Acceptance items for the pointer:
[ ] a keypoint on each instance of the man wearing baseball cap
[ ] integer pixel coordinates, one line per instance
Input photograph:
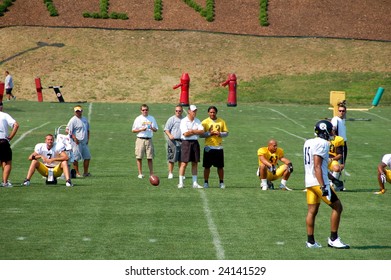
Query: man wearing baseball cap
(191, 129)
(79, 130)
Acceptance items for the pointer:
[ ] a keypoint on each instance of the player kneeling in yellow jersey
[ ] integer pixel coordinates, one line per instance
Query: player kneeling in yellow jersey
(336, 165)
(384, 173)
(269, 170)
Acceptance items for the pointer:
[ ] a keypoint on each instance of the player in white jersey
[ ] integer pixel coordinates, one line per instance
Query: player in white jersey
(54, 161)
(384, 172)
(316, 154)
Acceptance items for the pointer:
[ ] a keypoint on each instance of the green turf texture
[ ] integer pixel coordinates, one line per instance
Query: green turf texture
(113, 215)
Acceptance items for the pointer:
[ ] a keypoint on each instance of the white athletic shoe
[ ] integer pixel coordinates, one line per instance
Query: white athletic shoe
(7, 184)
(196, 186)
(180, 186)
(68, 183)
(222, 186)
(26, 183)
(170, 176)
(338, 244)
(140, 176)
(263, 187)
(316, 245)
(284, 188)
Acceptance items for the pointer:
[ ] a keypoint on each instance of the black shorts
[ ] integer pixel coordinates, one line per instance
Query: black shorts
(8, 90)
(213, 157)
(5, 151)
(190, 151)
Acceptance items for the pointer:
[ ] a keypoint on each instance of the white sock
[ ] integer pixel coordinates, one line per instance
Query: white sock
(283, 182)
(264, 182)
(194, 179)
(181, 179)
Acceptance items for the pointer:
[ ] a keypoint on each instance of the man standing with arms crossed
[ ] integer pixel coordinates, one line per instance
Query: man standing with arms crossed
(316, 154)
(191, 129)
(5, 148)
(215, 129)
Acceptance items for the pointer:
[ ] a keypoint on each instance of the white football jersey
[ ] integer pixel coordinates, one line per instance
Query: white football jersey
(66, 140)
(386, 159)
(55, 151)
(312, 147)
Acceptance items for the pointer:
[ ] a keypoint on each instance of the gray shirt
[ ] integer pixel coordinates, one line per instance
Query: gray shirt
(173, 125)
(79, 128)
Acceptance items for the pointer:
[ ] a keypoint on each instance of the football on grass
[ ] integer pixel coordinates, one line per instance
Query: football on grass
(154, 180)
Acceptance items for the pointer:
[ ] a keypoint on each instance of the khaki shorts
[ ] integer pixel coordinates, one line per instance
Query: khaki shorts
(144, 147)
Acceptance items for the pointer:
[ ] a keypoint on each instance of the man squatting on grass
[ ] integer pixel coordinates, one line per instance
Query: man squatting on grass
(53, 157)
(268, 169)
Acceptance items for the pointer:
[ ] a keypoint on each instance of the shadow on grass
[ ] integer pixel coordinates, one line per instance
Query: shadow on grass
(360, 191)
(39, 45)
(370, 247)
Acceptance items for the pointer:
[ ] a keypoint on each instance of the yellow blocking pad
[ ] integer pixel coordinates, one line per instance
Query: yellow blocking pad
(335, 98)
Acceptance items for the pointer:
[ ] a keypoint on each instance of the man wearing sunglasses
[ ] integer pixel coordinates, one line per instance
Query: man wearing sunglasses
(144, 126)
(339, 128)
(172, 129)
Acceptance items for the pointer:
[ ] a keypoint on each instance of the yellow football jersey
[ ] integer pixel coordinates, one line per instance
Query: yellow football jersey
(273, 158)
(334, 144)
(214, 125)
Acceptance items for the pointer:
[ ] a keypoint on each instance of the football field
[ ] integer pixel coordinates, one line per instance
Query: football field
(113, 215)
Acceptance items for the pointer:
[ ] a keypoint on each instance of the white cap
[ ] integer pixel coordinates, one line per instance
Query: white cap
(193, 108)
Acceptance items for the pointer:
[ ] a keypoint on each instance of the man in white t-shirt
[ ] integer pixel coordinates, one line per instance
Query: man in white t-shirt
(191, 129)
(6, 121)
(384, 172)
(144, 126)
(54, 161)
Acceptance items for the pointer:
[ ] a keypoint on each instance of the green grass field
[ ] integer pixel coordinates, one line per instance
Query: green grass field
(115, 216)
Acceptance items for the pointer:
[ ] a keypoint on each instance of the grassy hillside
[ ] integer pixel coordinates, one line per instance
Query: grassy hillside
(143, 66)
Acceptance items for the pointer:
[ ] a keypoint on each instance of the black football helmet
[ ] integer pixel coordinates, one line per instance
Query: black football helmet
(324, 129)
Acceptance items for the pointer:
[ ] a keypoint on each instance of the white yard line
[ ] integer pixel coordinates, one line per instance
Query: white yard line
(295, 122)
(89, 112)
(27, 133)
(297, 136)
(212, 228)
(377, 116)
